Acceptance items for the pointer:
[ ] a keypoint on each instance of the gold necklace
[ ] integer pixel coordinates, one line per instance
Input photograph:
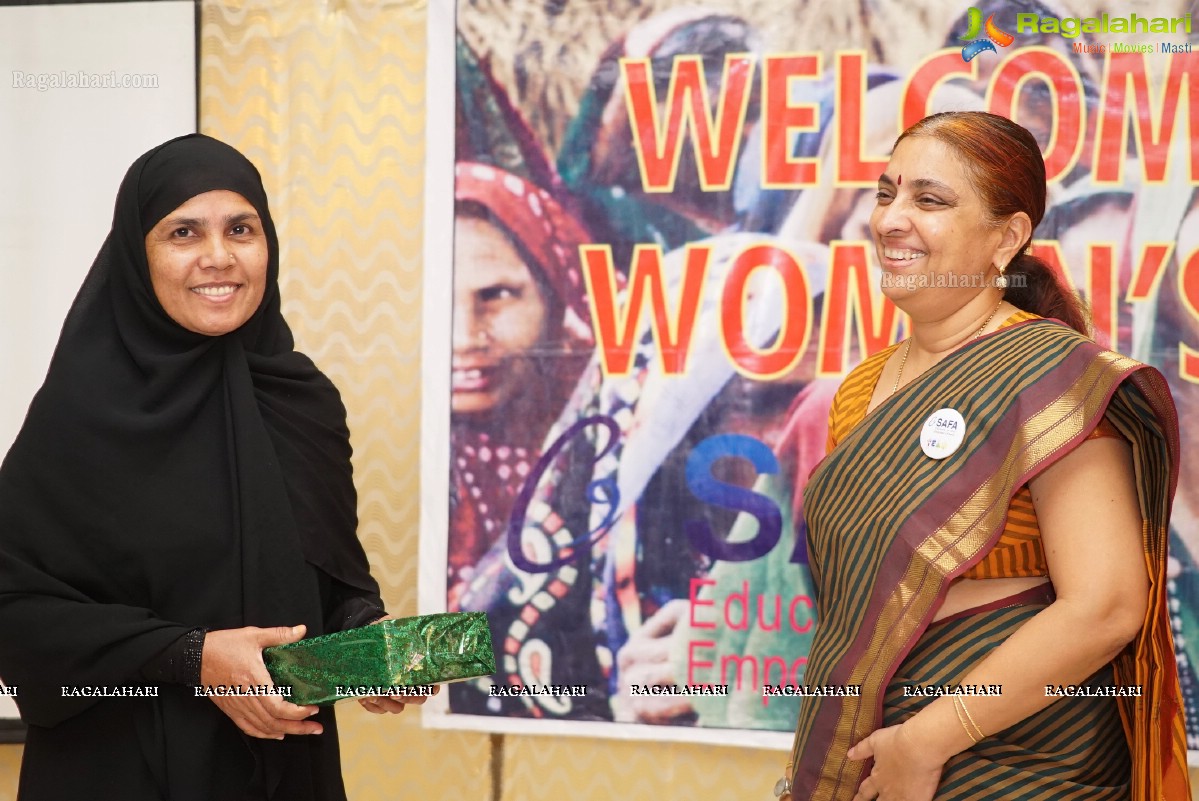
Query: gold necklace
(907, 348)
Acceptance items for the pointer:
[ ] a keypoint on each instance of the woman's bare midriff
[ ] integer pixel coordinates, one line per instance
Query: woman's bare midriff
(969, 593)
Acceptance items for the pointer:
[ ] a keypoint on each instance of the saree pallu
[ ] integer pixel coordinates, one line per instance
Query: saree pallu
(889, 528)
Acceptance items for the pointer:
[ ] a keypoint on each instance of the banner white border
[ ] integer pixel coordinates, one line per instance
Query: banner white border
(436, 304)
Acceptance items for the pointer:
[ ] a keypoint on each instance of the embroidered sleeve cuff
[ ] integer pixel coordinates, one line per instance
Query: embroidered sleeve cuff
(179, 662)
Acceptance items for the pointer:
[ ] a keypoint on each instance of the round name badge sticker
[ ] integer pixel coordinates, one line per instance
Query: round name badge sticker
(943, 433)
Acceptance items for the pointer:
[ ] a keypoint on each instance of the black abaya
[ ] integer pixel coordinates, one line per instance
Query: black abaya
(165, 480)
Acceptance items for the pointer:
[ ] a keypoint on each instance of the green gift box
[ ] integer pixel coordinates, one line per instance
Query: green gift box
(409, 652)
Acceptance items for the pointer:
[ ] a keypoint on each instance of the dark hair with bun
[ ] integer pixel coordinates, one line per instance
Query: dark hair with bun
(1005, 163)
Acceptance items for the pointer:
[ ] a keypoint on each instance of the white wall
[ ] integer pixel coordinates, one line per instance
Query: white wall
(63, 152)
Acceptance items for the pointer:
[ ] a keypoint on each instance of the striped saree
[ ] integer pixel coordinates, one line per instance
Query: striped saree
(890, 528)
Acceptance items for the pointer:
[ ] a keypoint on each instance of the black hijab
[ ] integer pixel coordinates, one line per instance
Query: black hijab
(164, 479)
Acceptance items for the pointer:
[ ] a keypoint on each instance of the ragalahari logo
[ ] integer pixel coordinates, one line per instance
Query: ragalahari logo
(995, 35)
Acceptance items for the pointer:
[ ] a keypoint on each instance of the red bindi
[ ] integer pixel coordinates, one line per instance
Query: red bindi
(900, 181)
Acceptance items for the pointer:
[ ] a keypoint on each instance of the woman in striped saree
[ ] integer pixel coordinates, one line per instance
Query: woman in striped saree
(987, 535)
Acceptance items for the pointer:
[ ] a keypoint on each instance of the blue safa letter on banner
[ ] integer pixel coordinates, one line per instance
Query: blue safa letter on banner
(729, 496)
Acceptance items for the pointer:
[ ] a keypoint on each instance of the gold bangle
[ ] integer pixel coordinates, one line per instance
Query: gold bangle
(970, 717)
(962, 721)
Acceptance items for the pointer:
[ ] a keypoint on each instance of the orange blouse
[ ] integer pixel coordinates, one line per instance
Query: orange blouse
(1018, 552)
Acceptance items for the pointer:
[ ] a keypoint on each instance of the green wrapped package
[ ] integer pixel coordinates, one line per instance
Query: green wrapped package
(409, 652)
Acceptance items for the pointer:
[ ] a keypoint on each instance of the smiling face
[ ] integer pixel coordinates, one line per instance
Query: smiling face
(500, 317)
(931, 231)
(208, 262)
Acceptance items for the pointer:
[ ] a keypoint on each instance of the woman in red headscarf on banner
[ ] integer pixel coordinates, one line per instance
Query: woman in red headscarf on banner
(521, 335)
(598, 158)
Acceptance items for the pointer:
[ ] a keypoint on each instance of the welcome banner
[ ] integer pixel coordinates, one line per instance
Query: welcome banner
(661, 269)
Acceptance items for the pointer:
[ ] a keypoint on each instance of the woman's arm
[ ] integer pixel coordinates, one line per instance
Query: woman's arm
(52, 635)
(348, 607)
(233, 657)
(1090, 524)
(179, 662)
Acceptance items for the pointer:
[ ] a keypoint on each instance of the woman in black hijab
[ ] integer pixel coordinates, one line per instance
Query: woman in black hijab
(183, 469)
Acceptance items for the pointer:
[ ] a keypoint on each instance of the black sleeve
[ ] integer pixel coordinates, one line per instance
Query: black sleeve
(348, 607)
(178, 663)
(53, 635)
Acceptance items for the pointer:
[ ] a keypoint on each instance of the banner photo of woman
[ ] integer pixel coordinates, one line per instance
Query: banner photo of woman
(662, 268)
